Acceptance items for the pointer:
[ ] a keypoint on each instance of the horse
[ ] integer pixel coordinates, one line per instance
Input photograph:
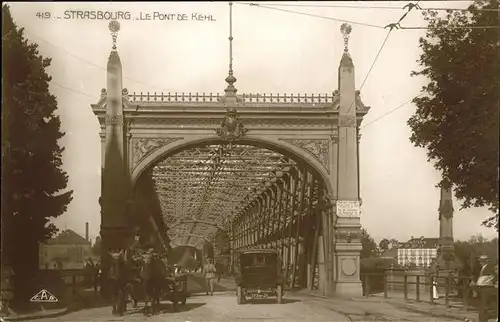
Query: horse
(134, 287)
(152, 275)
(117, 282)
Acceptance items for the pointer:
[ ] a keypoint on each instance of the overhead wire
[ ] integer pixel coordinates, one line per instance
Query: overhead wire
(309, 14)
(380, 50)
(450, 27)
(103, 68)
(392, 110)
(276, 7)
(73, 90)
(93, 64)
(377, 56)
(366, 7)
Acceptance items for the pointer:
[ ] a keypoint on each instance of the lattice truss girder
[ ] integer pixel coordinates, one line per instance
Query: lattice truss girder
(211, 184)
(273, 214)
(286, 217)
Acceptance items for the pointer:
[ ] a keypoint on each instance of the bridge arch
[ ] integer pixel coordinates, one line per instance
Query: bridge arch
(257, 140)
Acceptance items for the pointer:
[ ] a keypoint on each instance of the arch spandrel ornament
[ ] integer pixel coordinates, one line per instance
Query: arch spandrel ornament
(142, 147)
(319, 148)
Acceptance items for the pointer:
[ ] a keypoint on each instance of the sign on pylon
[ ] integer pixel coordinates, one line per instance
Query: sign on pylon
(44, 296)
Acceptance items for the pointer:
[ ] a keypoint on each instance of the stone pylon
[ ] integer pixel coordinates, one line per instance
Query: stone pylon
(115, 230)
(347, 226)
(446, 241)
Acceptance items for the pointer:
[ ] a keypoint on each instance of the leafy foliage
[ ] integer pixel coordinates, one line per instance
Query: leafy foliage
(384, 244)
(369, 245)
(468, 251)
(31, 156)
(458, 120)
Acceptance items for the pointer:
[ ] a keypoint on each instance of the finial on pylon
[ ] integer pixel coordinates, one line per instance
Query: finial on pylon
(346, 29)
(114, 27)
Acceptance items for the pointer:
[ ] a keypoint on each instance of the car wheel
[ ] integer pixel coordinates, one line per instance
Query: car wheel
(279, 294)
(239, 295)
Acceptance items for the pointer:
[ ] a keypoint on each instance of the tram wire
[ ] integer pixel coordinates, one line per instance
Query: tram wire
(366, 7)
(250, 3)
(276, 7)
(377, 56)
(93, 64)
(351, 105)
(253, 4)
(74, 90)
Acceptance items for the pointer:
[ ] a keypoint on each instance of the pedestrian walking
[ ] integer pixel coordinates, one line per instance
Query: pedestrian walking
(209, 272)
(486, 286)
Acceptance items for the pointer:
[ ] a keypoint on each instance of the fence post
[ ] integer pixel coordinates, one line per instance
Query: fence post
(367, 286)
(385, 284)
(465, 296)
(447, 290)
(431, 288)
(392, 277)
(73, 278)
(418, 287)
(405, 285)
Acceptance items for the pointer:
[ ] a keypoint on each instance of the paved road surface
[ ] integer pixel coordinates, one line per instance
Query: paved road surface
(222, 307)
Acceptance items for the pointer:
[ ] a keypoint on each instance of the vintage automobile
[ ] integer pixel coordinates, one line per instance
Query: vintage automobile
(260, 275)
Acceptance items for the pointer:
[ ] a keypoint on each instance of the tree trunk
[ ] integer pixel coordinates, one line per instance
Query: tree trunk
(25, 266)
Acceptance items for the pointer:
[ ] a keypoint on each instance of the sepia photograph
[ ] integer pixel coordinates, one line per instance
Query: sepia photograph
(325, 161)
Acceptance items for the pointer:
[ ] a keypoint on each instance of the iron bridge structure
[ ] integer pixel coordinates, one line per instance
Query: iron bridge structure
(236, 171)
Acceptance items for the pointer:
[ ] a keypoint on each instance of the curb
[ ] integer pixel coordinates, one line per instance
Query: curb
(36, 316)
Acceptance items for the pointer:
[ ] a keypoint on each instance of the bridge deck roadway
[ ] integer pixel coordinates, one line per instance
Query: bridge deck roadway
(222, 306)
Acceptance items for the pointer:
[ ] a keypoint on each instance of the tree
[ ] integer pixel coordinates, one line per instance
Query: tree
(369, 245)
(467, 252)
(394, 243)
(31, 157)
(457, 121)
(384, 244)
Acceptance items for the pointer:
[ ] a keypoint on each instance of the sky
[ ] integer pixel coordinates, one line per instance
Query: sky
(275, 51)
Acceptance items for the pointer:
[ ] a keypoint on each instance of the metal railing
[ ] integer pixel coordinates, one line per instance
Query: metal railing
(244, 98)
(417, 284)
(75, 281)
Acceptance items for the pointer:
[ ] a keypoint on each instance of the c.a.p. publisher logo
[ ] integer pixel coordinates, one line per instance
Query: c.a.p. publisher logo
(44, 296)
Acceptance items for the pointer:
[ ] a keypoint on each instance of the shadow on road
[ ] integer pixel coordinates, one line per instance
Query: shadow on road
(270, 301)
(188, 307)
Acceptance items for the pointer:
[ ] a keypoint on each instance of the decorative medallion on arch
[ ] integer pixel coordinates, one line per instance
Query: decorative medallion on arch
(319, 148)
(142, 147)
(231, 127)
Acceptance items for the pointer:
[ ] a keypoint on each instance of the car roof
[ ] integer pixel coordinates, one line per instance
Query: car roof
(259, 251)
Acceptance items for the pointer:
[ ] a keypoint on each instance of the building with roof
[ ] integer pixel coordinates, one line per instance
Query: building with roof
(421, 252)
(67, 250)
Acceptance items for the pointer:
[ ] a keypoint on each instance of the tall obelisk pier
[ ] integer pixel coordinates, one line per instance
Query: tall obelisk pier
(115, 229)
(347, 206)
(446, 242)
